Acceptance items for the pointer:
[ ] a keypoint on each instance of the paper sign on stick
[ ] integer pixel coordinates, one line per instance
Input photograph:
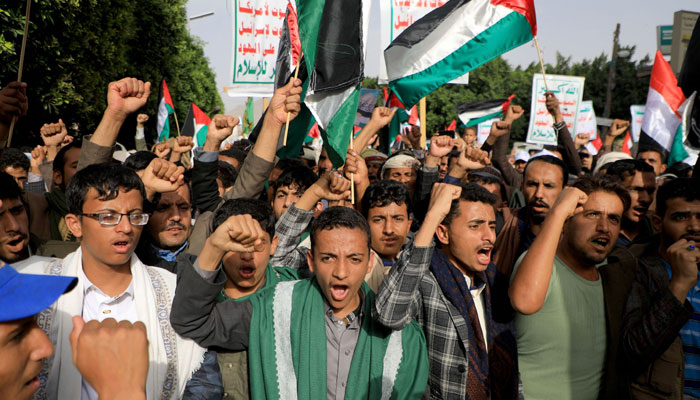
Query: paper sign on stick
(586, 121)
(569, 90)
(637, 114)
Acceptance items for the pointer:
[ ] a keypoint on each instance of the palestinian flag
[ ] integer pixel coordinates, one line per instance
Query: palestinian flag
(454, 39)
(165, 108)
(333, 35)
(682, 149)
(452, 126)
(196, 125)
(394, 128)
(472, 114)
(661, 117)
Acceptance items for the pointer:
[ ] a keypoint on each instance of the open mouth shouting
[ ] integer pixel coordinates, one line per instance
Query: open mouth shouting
(122, 246)
(483, 254)
(15, 244)
(339, 292)
(601, 242)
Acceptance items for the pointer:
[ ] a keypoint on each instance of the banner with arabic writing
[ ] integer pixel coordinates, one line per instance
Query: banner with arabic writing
(569, 91)
(637, 113)
(257, 28)
(586, 121)
(396, 16)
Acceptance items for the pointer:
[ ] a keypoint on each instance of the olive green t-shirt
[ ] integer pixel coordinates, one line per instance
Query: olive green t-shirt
(561, 347)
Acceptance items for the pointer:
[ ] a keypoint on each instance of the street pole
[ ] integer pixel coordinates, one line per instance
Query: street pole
(611, 73)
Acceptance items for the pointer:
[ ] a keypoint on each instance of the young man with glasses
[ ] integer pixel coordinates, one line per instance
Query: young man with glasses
(107, 214)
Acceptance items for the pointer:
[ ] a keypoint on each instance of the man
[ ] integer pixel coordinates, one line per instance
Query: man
(324, 163)
(16, 241)
(15, 163)
(660, 327)
(401, 167)
(654, 158)
(387, 206)
(520, 160)
(374, 160)
(106, 213)
(638, 178)
(297, 330)
(233, 156)
(558, 293)
(289, 188)
(114, 359)
(543, 181)
(457, 296)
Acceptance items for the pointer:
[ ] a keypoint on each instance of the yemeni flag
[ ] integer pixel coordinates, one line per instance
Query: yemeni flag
(454, 39)
(333, 35)
(476, 112)
(627, 144)
(661, 117)
(165, 108)
(196, 125)
(594, 146)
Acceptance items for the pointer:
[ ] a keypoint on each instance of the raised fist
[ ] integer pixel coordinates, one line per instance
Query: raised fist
(54, 134)
(127, 95)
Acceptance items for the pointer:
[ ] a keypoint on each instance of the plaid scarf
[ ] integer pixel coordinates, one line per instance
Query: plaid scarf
(492, 373)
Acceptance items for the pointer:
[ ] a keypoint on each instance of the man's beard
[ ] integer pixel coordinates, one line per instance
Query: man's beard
(537, 218)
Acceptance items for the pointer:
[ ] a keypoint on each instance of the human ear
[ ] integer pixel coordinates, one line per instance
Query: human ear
(74, 225)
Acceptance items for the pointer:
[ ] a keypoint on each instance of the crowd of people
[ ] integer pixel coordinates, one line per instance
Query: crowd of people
(451, 271)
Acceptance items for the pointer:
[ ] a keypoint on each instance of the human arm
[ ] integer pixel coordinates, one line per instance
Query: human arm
(181, 145)
(470, 158)
(564, 140)
(528, 289)
(112, 357)
(140, 137)
(355, 169)
(162, 176)
(398, 301)
(501, 131)
(123, 98)
(381, 117)
(617, 128)
(13, 104)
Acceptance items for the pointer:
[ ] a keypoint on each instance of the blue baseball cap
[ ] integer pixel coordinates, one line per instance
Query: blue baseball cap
(24, 295)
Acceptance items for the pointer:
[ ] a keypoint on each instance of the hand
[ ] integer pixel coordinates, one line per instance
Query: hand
(183, 144)
(53, 134)
(580, 140)
(552, 104)
(570, 201)
(239, 233)
(161, 149)
(684, 256)
(413, 137)
(38, 156)
(440, 146)
(513, 113)
(381, 116)
(499, 128)
(127, 96)
(112, 357)
(618, 127)
(161, 176)
(355, 164)
(13, 101)
(472, 158)
(332, 187)
(141, 119)
(285, 99)
(220, 128)
(441, 197)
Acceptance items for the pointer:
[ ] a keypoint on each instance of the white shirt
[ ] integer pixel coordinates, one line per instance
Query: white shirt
(99, 306)
(478, 296)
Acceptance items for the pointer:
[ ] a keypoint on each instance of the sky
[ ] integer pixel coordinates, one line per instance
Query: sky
(582, 29)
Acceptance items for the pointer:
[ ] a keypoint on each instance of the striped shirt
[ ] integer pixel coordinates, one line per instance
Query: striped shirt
(690, 336)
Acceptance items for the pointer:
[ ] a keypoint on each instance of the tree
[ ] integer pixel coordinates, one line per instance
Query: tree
(76, 47)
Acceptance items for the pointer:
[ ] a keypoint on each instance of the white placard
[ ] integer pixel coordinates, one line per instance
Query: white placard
(569, 90)
(637, 116)
(483, 129)
(586, 121)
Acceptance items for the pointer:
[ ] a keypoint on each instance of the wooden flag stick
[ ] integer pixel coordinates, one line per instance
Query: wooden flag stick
(539, 54)
(177, 125)
(296, 74)
(352, 174)
(21, 65)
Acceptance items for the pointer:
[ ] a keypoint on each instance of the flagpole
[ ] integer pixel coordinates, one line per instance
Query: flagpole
(352, 174)
(286, 126)
(539, 54)
(177, 125)
(21, 65)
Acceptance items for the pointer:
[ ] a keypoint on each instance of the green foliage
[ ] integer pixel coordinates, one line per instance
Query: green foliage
(497, 79)
(76, 47)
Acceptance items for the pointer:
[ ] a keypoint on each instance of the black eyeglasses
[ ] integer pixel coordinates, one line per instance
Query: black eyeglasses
(111, 219)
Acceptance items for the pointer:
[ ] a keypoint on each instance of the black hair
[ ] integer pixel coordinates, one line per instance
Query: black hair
(10, 188)
(301, 176)
(14, 158)
(139, 160)
(482, 177)
(470, 192)
(384, 192)
(227, 174)
(258, 209)
(684, 188)
(243, 145)
(623, 169)
(589, 185)
(645, 148)
(107, 179)
(553, 161)
(339, 217)
(59, 163)
(287, 163)
(236, 153)
(680, 169)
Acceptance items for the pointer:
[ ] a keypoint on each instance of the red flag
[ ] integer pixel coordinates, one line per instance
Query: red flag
(627, 144)
(452, 126)
(413, 118)
(293, 23)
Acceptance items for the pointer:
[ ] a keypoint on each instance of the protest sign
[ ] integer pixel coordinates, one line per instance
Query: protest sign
(483, 129)
(396, 16)
(257, 28)
(368, 100)
(637, 114)
(586, 121)
(569, 90)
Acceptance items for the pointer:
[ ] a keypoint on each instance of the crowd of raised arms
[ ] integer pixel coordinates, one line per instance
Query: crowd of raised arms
(450, 271)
